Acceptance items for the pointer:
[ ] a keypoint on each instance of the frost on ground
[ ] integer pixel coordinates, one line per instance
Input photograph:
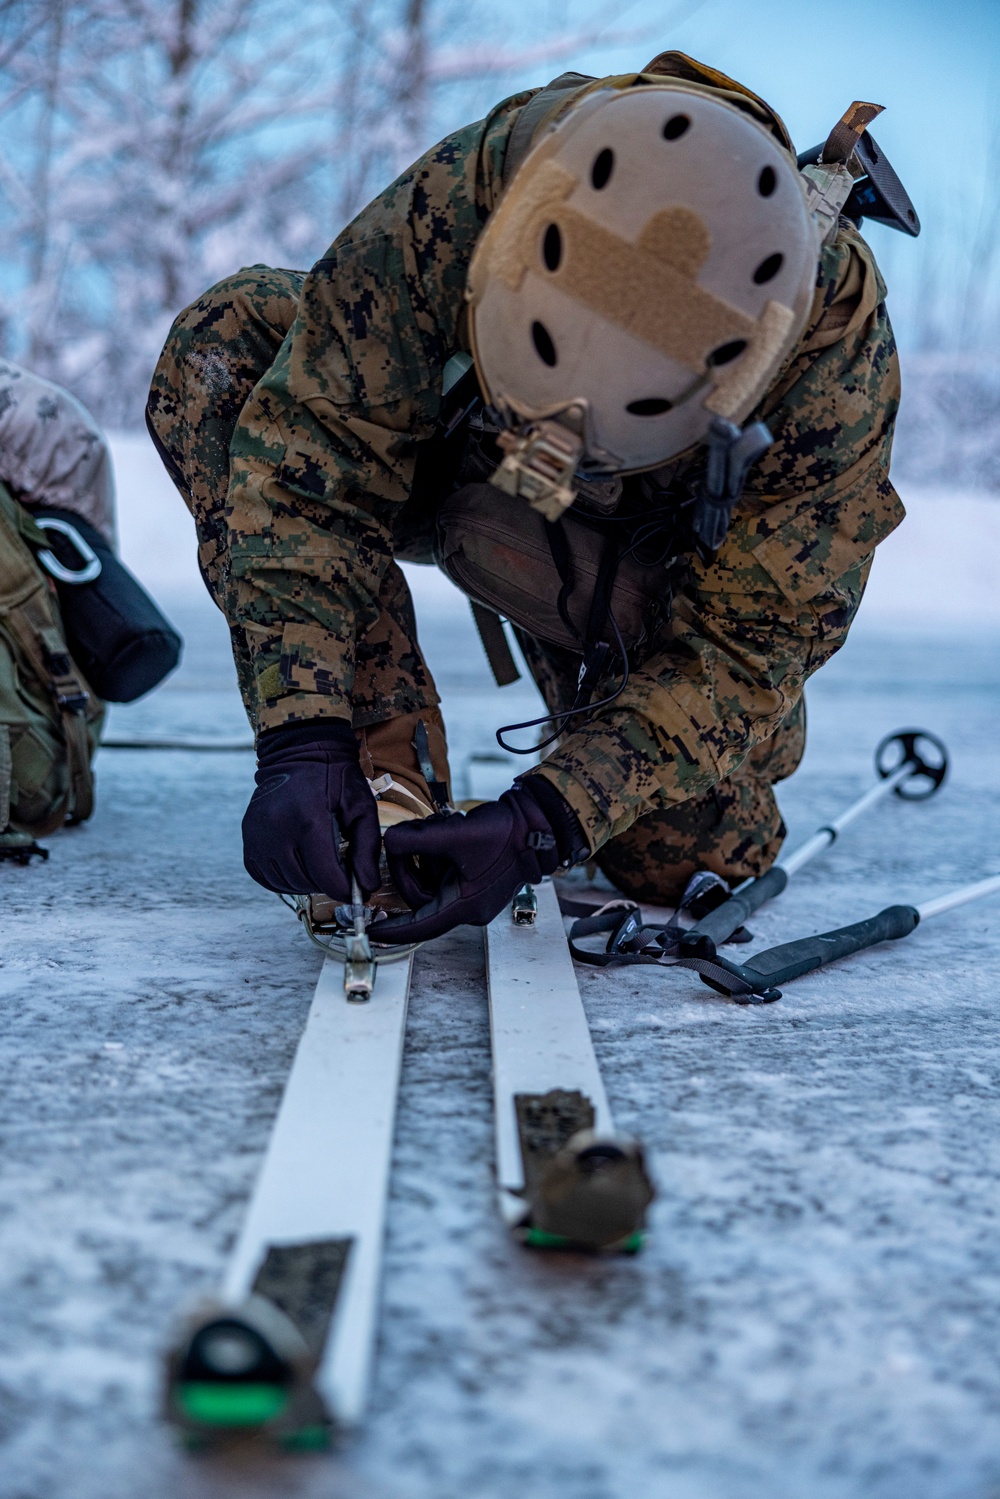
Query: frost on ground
(816, 1312)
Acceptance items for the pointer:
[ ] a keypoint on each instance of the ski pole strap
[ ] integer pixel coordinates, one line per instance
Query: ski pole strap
(632, 943)
(702, 939)
(753, 982)
(629, 940)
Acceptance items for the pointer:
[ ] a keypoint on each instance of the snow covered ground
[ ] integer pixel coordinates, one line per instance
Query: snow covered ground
(818, 1308)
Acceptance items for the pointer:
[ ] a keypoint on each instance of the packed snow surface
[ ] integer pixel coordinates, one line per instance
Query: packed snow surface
(817, 1311)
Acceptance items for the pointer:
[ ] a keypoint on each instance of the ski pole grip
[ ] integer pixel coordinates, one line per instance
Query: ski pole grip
(702, 939)
(779, 964)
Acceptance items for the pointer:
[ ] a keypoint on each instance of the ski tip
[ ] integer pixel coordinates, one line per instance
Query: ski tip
(244, 1373)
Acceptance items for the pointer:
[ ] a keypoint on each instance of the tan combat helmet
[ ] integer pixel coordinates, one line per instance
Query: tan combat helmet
(649, 269)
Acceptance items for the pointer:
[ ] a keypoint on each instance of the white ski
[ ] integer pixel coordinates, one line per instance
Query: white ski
(288, 1349)
(563, 1176)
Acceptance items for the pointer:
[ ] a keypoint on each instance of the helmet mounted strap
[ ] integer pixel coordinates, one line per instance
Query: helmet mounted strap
(732, 451)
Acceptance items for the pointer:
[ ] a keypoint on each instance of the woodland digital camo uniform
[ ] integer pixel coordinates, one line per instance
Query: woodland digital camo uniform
(328, 383)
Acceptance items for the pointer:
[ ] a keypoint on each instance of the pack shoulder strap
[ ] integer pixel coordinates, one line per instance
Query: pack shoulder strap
(32, 625)
(495, 644)
(545, 102)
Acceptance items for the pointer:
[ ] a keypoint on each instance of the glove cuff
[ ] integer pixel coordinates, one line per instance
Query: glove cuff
(571, 844)
(319, 731)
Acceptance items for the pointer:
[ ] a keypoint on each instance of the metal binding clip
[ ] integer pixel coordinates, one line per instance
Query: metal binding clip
(524, 906)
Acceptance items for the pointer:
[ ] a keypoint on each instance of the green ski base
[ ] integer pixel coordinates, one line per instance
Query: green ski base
(308, 1439)
(243, 1411)
(537, 1238)
(231, 1405)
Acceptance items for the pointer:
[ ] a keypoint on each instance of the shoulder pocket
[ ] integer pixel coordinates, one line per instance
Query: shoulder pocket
(807, 546)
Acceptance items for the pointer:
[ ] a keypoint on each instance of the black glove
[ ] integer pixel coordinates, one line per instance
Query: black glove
(457, 870)
(311, 792)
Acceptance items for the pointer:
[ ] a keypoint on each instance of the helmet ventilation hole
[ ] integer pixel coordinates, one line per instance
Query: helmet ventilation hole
(544, 347)
(768, 269)
(600, 172)
(767, 182)
(650, 406)
(675, 127)
(552, 248)
(725, 353)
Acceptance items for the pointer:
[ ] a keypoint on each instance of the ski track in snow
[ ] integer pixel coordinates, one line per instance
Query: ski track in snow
(816, 1311)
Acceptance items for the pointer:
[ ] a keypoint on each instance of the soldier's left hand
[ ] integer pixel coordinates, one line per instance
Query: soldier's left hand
(461, 870)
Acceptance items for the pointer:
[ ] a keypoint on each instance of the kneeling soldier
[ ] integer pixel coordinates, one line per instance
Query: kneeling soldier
(528, 361)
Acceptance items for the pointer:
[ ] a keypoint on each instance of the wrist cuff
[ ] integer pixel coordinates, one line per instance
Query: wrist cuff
(570, 840)
(314, 731)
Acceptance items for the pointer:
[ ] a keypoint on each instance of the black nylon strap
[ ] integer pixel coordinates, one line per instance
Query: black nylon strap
(532, 115)
(721, 978)
(631, 944)
(495, 644)
(600, 601)
(562, 560)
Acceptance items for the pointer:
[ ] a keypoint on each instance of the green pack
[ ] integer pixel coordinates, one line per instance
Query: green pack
(49, 718)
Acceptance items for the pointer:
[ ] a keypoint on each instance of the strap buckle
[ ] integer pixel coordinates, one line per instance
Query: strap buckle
(539, 463)
(73, 702)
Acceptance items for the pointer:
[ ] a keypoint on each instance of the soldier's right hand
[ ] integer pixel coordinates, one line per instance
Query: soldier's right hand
(311, 792)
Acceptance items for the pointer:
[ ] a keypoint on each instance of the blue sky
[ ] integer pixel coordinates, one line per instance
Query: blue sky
(934, 65)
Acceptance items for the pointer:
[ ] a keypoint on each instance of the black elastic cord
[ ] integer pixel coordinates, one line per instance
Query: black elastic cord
(563, 561)
(560, 719)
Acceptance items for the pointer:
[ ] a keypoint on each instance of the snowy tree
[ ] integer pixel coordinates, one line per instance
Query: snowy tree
(159, 140)
(947, 314)
(151, 146)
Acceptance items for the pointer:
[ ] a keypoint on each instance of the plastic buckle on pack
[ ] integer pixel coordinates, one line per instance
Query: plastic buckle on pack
(58, 663)
(539, 463)
(73, 702)
(591, 670)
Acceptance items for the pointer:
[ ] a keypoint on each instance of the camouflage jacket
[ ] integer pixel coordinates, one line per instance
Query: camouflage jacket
(322, 462)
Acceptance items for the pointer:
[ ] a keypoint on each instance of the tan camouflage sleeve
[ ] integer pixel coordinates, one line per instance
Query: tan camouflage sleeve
(747, 631)
(324, 450)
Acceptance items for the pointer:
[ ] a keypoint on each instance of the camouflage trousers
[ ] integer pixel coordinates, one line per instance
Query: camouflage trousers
(735, 829)
(217, 350)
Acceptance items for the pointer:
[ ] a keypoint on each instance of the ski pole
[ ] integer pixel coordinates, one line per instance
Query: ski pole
(755, 981)
(915, 763)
